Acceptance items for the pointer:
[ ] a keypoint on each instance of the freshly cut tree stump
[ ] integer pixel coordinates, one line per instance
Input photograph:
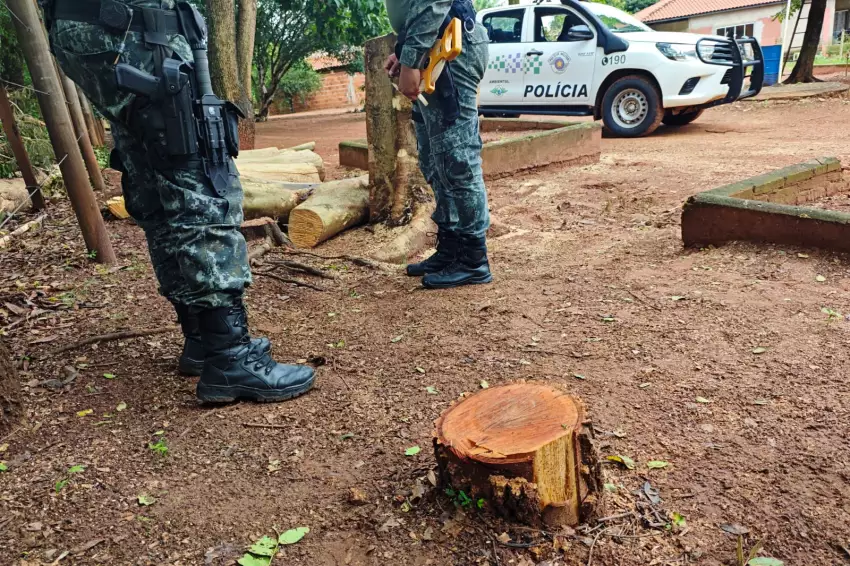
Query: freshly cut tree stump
(526, 449)
(332, 208)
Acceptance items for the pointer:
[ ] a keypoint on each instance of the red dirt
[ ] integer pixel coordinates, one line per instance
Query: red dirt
(591, 280)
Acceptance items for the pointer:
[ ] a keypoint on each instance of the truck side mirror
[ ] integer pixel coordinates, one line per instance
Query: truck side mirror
(579, 33)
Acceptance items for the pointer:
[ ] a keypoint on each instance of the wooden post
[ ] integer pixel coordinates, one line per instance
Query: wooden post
(525, 449)
(33, 43)
(10, 128)
(84, 141)
(91, 122)
(393, 170)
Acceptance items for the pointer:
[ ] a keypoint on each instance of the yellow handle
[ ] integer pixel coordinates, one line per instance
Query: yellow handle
(446, 49)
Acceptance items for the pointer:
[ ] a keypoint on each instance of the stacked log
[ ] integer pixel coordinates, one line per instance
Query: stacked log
(271, 164)
(332, 208)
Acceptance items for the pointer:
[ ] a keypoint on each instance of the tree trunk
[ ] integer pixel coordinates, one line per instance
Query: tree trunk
(804, 69)
(245, 35)
(10, 392)
(522, 450)
(224, 69)
(83, 139)
(331, 208)
(393, 170)
(10, 128)
(33, 42)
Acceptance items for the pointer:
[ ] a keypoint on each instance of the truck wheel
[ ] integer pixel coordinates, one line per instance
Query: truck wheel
(682, 119)
(631, 107)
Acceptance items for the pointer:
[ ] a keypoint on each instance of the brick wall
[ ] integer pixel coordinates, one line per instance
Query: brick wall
(339, 90)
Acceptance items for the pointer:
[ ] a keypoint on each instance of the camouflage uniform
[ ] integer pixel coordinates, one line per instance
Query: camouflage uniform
(198, 253)
(449, 154)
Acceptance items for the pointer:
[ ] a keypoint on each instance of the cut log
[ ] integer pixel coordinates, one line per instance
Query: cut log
(248, 153)
(291, 172)
(10, 392)
(525, 449)
(268, 163)
(332, 208)
(270, 199)
(13, 195)
(304, 146)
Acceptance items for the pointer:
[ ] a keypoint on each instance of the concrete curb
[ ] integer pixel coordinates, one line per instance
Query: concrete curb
(556, 142)
(766, 208)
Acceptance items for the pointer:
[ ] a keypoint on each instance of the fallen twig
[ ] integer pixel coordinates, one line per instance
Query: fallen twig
(643, 301)
(4, 241)
(615, 517)
(111, 338)
(296, 266)
(353, 259)
(593, 544)
(264, 425)
(259, 251)
(289, 280)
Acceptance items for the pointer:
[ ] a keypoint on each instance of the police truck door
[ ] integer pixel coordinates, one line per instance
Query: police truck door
(559, 64)
(503, 79)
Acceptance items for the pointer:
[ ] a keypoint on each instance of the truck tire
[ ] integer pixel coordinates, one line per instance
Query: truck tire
(631, 107)
(681, 119)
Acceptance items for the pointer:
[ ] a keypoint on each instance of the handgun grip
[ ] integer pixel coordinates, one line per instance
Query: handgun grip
(132, 80)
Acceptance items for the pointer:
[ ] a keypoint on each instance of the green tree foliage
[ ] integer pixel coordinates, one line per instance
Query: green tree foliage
(12, 67)
(486, 4)
(288, 31)
(634, 6)
(630, 6)
(301, 82)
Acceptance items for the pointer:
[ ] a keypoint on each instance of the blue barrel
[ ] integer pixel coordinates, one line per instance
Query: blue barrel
(772, 56)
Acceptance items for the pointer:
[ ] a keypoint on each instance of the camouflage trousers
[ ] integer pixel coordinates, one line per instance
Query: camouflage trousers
(198, 253)
(450, 155)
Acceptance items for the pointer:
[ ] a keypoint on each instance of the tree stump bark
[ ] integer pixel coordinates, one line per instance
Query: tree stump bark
(10, 392)
(526, 449)
(393, 171)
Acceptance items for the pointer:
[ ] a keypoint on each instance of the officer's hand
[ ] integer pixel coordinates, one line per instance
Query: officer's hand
(391, 66)
(409, 81)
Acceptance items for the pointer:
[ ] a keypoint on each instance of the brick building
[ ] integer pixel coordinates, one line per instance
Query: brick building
(737, 18)
(339, 88)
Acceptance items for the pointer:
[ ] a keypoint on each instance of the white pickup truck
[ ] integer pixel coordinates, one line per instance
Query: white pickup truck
(586, 59)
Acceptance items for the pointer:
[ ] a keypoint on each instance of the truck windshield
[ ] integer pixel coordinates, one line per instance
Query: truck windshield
(616, 20)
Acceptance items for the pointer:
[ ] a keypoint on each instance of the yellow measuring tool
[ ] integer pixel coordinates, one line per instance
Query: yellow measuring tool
(446, 49)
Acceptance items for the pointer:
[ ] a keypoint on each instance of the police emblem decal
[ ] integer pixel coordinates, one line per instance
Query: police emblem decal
(499, 91)
(559, 61)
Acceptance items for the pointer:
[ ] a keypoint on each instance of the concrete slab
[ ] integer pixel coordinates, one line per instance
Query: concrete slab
(800, 91)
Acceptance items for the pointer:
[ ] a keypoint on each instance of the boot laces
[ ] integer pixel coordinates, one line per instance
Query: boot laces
(261, 360)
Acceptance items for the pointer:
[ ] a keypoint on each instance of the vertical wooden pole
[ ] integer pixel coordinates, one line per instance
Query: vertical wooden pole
(84, 141)
(10, 128)
(33, 44)
(88, 116)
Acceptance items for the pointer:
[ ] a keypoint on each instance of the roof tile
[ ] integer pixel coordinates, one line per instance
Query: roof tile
(678, 9)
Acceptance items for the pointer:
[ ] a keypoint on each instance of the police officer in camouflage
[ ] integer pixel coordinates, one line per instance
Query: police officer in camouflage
(447, 136)
(143, 64)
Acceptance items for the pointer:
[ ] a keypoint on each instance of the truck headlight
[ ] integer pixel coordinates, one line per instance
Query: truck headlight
(677, 52)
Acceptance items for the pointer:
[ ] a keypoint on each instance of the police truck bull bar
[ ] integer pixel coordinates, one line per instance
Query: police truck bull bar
(731, 53)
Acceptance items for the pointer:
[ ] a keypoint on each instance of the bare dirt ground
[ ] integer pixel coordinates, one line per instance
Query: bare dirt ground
(730, 364)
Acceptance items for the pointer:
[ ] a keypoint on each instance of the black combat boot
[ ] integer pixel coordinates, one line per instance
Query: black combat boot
(236, 368)
(447, 244)
(470, 268)
(191, 361)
